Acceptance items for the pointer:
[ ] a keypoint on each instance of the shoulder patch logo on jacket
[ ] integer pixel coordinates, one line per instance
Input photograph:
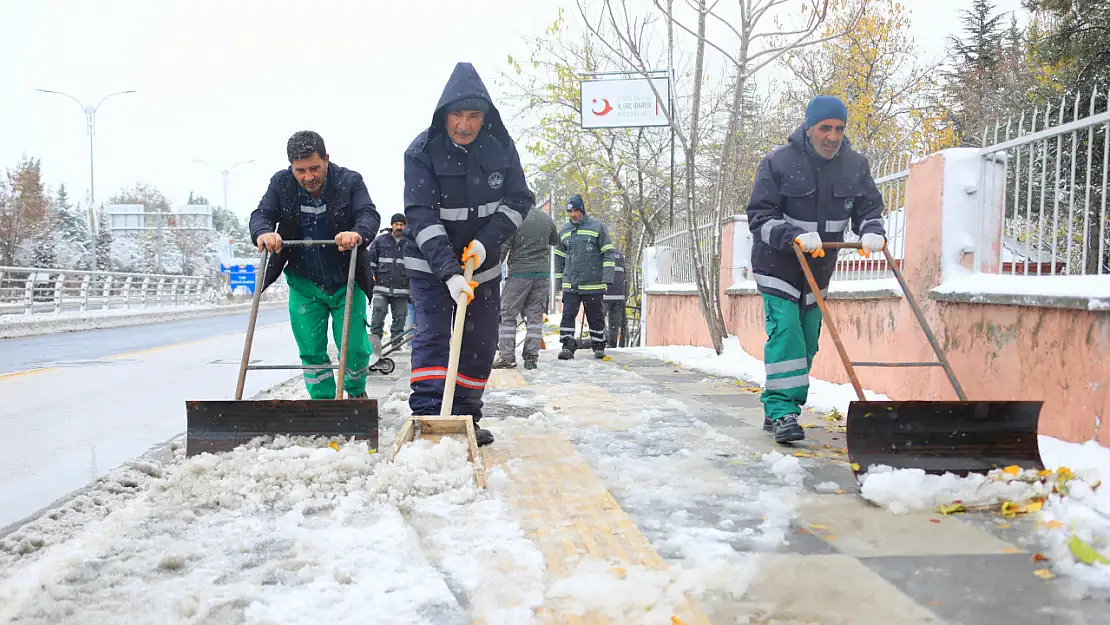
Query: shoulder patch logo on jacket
(849, 203)
(496, 179)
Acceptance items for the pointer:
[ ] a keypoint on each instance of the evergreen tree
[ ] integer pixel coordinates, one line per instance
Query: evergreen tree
(103, 240)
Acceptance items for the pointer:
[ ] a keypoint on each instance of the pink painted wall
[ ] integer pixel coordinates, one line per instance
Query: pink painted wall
(996, 351)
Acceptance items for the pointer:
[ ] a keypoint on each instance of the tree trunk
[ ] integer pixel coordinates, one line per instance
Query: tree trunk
(708, 298)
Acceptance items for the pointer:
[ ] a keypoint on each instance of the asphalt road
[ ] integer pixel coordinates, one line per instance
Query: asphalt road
(75, 349)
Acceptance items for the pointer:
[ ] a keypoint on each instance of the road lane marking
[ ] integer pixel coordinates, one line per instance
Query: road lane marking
(15, 374)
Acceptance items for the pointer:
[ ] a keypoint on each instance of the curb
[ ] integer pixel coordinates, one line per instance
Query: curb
(57, 325)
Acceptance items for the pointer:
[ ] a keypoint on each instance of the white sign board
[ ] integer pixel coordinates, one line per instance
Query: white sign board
(624, 103)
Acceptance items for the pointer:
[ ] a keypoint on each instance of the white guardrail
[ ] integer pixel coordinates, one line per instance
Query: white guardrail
(35, 290)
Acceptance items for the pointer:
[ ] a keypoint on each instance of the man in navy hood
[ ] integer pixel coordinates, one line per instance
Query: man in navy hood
(805, 193)
(465, 194)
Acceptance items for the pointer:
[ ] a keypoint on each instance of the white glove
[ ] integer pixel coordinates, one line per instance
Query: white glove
(871, 243)
(458, 285)
(811, 243)
(475, 249)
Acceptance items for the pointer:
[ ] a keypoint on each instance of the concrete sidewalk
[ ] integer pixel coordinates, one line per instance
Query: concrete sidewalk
(636, 462)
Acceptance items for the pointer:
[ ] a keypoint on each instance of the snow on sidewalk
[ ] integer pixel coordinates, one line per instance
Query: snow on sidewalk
(1069, 499)
(735, 362)
(1071, 506)
(293, 532)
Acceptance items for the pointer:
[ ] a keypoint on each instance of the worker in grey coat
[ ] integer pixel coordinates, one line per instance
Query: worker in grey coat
(527, 287)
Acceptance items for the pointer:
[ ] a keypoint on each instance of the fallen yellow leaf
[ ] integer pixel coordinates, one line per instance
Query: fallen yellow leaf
(1011, 550)
(1045, 473)
(334, 445)
(1011, 509)
(1084, 552)
(1054, 524)
(818, 527)
(1044, 574)
(1012, 470)
(607, 358)
(676, 621)
(829, 537)
(840, 491)
(951, 508)
(855, 466)
(1039, 557)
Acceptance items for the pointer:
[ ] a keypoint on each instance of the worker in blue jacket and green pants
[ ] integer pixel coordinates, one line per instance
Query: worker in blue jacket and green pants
(316, 199)
(807, 192)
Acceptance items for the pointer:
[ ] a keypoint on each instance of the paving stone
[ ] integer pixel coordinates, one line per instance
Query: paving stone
(998, 589)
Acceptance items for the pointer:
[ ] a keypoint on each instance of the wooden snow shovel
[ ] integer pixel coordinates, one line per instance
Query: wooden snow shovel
(939, 437)
(222, 425)
(446, 424)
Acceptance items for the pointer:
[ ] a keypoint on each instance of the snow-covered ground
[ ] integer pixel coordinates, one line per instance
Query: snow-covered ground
(1069, 499)
(1072, 507)
(303, 532)
(12, 326)
(63, 426)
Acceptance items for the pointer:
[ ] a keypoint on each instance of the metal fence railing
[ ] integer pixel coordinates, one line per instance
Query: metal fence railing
(32, 290)
(890, 176)
(1045, 181)
(675, 247)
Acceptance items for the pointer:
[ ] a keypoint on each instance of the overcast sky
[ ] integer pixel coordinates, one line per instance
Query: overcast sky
(230, 81)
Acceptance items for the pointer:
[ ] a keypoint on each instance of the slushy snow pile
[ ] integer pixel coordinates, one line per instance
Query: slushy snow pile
(736, 363)
(1069, 498)
(291, 532)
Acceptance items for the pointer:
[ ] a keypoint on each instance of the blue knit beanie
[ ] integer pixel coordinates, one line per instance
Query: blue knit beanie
(574, 202)
(825, 107)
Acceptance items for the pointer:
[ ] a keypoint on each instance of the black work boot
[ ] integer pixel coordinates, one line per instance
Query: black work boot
(482, 436)
(787, 429)
(767, 427)
(599, 352)
(568, 349)
(530, 363)
(505, 364)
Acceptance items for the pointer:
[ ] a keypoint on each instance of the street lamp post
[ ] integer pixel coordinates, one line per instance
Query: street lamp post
(90, 122)
(225, 172)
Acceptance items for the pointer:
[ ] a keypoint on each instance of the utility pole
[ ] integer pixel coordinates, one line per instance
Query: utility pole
(90, 123)
(225, 172)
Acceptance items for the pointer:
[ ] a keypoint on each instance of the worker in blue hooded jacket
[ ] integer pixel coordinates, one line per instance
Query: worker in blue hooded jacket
(807, 192)
(465, 195)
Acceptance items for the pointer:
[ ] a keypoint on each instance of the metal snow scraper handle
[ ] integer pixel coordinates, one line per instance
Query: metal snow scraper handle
(937, 436)
(222, 425)
(260, 279)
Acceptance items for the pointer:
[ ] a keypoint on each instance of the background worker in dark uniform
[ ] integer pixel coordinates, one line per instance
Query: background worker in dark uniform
(614, 300)
(584, 266)
(465, 195)
(317, 199)
(391, 283)
(807, 192)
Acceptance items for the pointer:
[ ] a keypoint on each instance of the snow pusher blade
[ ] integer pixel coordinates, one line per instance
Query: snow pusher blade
(447, 424)
(937, 437)
(222, 425)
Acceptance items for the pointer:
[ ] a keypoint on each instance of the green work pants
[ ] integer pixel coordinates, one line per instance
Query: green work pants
(788, 355)
(309, 310)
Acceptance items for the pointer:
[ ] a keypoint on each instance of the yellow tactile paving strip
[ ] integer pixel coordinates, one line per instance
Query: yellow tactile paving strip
(568, 512)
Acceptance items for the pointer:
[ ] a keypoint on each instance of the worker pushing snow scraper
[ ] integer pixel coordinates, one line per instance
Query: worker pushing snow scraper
(316, 199)
(806, 192)
(465, 195)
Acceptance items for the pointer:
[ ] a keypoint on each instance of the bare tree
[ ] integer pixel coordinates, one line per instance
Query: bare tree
(627, 36)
